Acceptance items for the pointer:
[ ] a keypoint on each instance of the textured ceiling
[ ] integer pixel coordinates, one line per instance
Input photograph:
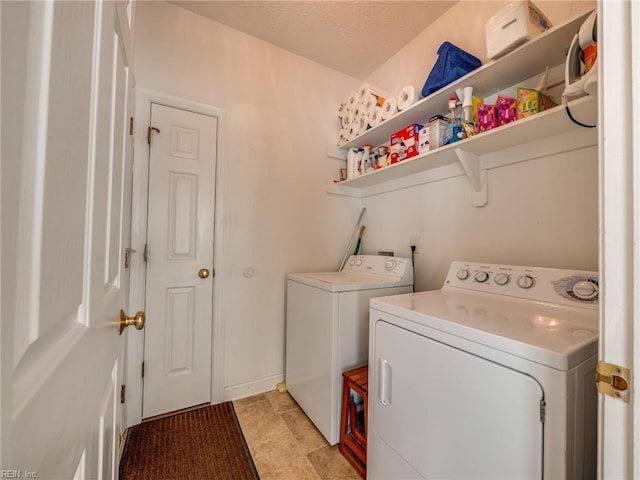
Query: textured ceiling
(353, 37)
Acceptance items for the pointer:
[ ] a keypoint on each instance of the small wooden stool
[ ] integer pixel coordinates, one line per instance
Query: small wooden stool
(353, 423)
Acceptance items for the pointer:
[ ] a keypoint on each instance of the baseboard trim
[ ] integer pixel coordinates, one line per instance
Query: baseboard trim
(242, 390)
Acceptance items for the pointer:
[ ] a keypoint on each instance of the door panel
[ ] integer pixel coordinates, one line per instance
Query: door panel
(450, 414)
(183, 192)
(64, 100)
(180, 319)
(180, 238)
(116, 189)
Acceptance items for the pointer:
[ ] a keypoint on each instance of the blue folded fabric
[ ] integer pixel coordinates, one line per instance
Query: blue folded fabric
(452, 63)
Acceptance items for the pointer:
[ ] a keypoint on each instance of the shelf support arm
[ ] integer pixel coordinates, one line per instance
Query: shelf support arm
(477, 178)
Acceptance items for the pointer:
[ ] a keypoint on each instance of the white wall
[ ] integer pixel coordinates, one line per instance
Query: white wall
(464, 26)
(277, 217)
(540, 212)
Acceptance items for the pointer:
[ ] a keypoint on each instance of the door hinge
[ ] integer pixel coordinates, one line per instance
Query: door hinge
(122, 393)
(130, 125)
(613, 380)
(149, 130)
(145, 253)
(543, 410)
(127, 256)
(142, 370)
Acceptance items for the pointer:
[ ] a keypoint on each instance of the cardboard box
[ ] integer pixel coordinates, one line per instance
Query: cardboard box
(404, 143)
(487, 117)
(437, 126)
(423, 140)
(506, 109)
(531, 101)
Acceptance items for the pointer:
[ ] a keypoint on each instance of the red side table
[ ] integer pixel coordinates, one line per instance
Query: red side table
(353, 422)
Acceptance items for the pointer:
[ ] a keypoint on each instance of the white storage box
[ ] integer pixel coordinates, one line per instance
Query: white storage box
(437, 126)
(423, 140)
(515, 24)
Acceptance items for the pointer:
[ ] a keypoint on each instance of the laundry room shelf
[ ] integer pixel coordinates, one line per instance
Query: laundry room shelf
(545, 50)
(466, 156)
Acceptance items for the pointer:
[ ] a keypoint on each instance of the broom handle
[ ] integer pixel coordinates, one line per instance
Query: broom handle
(356, 230)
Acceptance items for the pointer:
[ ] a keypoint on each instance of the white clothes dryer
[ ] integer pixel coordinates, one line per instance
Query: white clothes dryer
(328, 330)
(490, 377)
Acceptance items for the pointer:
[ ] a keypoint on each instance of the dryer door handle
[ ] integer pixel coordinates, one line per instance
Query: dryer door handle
(384, 381)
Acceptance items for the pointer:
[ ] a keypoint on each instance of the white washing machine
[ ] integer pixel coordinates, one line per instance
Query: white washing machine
(328, 330)
(490, 377)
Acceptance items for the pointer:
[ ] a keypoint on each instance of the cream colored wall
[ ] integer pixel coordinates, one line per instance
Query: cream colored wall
(464, 26)
(540, 212)
(277, 217)
(276, 214)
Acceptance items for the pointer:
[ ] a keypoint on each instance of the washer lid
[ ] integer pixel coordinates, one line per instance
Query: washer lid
(347, 280)
(553, 335)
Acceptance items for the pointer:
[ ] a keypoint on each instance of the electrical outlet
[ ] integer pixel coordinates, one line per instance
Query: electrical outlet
(413, 241)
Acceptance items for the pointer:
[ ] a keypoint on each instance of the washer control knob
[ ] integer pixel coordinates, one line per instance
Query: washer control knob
(526, 281)
(481, 277)
(502, 279)
(390, 265)
(585, 290)
(358, 262)
(462, 274)
(352, 262)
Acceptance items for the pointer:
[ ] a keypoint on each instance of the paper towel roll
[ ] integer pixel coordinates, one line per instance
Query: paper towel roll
(360, 109)
(407, 97)
(342, 137)
(353, 100)
(372, 102)
(366, 90)
(375, 116)
(389, 108)
(351, 162)
(352, 131)
(357, 128)
(342, 109)
(348, 119)
(363, 124)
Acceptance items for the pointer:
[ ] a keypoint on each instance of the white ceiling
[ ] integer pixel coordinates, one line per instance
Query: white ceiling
(353, 37)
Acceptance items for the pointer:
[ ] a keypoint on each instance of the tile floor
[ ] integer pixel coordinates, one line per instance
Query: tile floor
(285, 445)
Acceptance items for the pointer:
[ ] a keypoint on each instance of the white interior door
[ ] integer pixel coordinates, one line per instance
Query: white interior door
(64, 100)
(179, 299)
(128, 252)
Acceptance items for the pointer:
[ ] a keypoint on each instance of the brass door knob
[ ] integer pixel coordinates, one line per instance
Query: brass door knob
(203, 272)
(137, 321)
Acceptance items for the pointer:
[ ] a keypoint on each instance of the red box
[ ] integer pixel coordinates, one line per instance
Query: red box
(404, 143)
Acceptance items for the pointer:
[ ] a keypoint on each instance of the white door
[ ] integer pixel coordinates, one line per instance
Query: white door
(619, 104)
(64, 93)
(438, 425)
(179, 298)
(127, 192)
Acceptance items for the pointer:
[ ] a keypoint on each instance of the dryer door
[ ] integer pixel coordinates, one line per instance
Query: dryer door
(452, 414)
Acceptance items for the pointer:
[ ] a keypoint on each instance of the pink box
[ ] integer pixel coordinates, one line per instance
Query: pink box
(487, 117)
(404, 143)
(506, 109)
